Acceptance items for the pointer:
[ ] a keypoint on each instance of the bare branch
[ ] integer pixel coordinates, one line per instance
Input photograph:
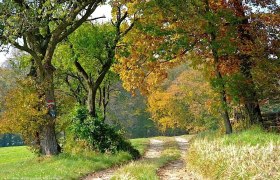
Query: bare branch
(128, 29)
(26, 49)
(96, 18)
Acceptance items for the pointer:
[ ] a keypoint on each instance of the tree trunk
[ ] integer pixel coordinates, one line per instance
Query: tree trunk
(218, 74)
(91, 101)
(222, 92)
(49, 145)
(223, 100)
(251, 102)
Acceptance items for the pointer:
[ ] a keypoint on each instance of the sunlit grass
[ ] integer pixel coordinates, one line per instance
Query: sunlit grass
(251, 154)
(20, 163)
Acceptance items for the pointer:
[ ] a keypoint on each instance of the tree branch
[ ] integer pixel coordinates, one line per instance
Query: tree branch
(63, 30)
(79, 22)
(96, 18)
(26, 49)
(82, 71)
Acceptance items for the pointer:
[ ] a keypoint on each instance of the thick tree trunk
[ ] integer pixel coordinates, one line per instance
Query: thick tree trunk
(46, 138)
(49, 144)
(254, 112)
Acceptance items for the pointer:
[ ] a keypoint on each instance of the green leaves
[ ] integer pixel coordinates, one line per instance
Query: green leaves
(100, 135)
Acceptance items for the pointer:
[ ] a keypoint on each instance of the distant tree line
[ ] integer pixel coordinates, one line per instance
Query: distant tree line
(10, 140)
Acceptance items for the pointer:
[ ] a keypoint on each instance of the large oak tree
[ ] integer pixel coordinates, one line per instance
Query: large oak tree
(36, 27)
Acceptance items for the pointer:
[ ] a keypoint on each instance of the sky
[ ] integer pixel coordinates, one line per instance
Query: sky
(100, 11)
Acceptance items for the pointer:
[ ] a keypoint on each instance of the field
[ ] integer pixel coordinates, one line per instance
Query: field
(20, 163)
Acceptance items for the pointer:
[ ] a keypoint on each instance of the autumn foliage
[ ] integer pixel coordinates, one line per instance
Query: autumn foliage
(24, 111)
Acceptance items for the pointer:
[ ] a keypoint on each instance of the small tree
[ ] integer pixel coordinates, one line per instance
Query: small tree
(90, 51)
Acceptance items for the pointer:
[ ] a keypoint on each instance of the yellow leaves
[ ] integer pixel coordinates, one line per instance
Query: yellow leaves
(24, 111)
(160, 104)
(185, 102)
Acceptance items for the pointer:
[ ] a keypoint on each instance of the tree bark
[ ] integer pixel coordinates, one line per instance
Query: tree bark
(225, 113)
(46, 138)
(91, 101)
(49, 144)
(251, 102)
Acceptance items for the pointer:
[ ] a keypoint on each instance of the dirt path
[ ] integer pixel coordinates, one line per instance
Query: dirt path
(154, 151)
(176, 170)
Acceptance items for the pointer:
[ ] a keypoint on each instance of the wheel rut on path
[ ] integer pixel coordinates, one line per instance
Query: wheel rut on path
(154, 151)
(176, 170)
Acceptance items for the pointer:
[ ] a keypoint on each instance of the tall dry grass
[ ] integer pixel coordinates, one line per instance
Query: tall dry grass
(251, 154)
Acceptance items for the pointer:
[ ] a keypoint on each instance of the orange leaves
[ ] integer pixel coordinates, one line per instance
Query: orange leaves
(217, 4)
(229, 65)
(138, 65)
(269, 19)
(143, 75)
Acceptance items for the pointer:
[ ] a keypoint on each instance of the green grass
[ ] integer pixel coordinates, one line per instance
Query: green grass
(250, 154)
(141, 144)
(253, 137)
(20, 163)
(146, 169)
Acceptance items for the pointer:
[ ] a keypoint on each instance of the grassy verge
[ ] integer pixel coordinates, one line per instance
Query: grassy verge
(147, 168)
(251, 154)
(20, 163)
(140, 144)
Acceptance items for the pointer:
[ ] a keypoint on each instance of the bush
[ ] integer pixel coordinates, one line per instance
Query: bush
(99, 135)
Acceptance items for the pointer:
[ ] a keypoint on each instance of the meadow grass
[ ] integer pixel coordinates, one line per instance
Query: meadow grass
(20, 163)
(146, 169)
(250, 154)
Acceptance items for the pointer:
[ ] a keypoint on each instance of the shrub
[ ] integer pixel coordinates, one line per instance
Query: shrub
(99, 135)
